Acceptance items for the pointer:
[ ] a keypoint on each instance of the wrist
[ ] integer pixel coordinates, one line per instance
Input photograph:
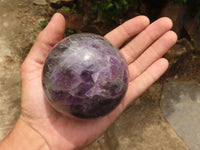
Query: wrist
(23, 137)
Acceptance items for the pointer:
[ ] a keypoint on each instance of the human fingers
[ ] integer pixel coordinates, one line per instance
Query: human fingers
(127, 30)
(153, 53)
(141, 42)
(145, 80)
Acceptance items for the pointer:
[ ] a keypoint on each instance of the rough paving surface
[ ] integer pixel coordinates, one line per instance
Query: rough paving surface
(180, 103)
(9, 69)
(141, 127)
(17, 31)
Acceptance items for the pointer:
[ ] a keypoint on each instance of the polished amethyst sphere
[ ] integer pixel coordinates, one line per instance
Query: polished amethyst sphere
(85, 76)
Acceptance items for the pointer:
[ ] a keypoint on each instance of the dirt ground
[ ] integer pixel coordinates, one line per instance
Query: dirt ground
(21, 22)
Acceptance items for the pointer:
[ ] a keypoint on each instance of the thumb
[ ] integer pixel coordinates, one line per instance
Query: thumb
(52, 34)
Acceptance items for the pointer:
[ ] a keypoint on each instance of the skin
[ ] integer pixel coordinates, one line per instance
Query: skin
(40, 127)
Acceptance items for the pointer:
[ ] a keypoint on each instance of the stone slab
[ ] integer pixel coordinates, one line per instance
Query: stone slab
(59, 1)
(40, 2)
(180, 103)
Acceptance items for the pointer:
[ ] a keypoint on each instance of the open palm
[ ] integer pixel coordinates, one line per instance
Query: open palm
(143, 54)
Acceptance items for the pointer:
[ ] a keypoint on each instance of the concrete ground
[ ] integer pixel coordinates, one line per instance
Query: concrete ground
(9, 68)
(18, 29)
(143, 126)
(180, 103)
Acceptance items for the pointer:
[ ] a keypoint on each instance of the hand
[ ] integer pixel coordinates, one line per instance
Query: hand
(143, 54)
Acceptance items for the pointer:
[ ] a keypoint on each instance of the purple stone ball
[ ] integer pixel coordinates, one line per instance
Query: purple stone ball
(85, 76)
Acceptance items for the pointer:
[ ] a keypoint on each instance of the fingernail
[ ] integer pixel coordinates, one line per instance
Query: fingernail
(53, 17)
